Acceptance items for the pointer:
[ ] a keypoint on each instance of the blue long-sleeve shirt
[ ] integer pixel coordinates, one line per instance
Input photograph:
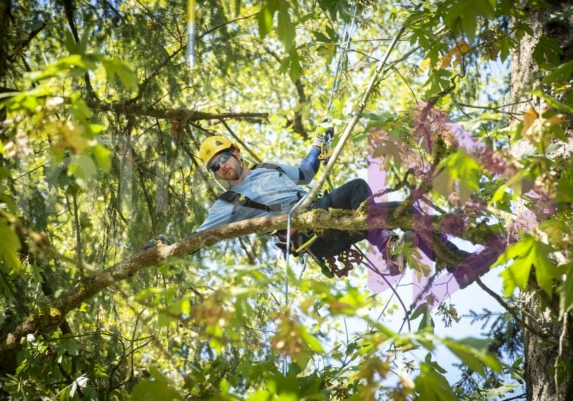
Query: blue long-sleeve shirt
(266, 186)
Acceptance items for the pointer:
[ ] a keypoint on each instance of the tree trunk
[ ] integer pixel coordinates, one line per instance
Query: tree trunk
(547, 340)
(548, 352)
(5, 8)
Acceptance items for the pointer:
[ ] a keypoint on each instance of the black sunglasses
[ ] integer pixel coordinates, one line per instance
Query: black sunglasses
(222, 159)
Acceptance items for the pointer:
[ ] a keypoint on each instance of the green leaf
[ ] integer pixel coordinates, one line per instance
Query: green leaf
(83, 169)
(70, 43)
(526, 254)
(469, 25)
(80, 109)
(291, 65)
(71, 346)
(515, 182)
(556, 230)
(546, 270)
(432, 386)
(565, 292)
(465, 14)
(123, 70)
(485, 8)
(103, 157)
(83, 45)
(265, 21)
(561, 73)
(473, 358)
(285, 29)
(261, 395)
(311, 341)
(155, 389)
(338, 9)
(547, 52)
(180, 307)
(458, 167)
(10, 202)
(74, 65)
(9, 245)
(438, 81)
(427, 323)
(321, 37)
(553, 102)
(295, 67)
(565, 185)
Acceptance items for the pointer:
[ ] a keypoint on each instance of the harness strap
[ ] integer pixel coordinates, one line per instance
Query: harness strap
(270, 166)
(239, 199)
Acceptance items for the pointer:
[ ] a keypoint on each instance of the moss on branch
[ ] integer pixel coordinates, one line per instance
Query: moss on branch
(316, 220)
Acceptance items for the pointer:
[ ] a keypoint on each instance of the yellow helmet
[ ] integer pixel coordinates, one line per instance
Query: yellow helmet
(213, 145)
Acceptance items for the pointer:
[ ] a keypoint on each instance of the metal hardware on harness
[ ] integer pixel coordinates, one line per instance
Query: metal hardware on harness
(299, 242)
(326, 151)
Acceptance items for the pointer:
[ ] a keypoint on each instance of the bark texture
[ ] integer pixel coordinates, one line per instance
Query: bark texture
(97, 279)
(547, 340)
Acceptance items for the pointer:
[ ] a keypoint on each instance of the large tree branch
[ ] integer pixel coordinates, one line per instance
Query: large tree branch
(50, 317)
(171, 114)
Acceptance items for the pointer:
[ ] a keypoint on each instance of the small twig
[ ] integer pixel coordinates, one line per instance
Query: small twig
(401, 184)
(498, 109)
(372, 267)
(243, 144)
(510, 309)
(77, 229)
(517, 397)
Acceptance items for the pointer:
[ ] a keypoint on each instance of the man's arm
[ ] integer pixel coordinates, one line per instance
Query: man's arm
(220, 214)
(309, 166)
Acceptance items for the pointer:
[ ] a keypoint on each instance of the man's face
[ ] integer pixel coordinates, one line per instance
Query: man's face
(226, 165)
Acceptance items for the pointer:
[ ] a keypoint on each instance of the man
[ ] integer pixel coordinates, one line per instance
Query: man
(268, 189)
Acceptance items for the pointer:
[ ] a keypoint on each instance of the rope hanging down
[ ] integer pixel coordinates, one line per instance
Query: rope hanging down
(307, 200)
(190, 53)
(304, 202)
(352, 123)
(348, 31)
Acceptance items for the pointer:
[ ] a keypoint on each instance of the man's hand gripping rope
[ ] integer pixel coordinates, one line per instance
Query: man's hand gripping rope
(324, 142)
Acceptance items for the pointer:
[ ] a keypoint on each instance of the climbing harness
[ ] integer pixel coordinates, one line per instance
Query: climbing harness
(302, 241)
(239, 199)
(334, 243)
(299, 242)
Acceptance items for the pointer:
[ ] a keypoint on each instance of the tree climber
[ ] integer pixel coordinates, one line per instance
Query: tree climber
(268, 189)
